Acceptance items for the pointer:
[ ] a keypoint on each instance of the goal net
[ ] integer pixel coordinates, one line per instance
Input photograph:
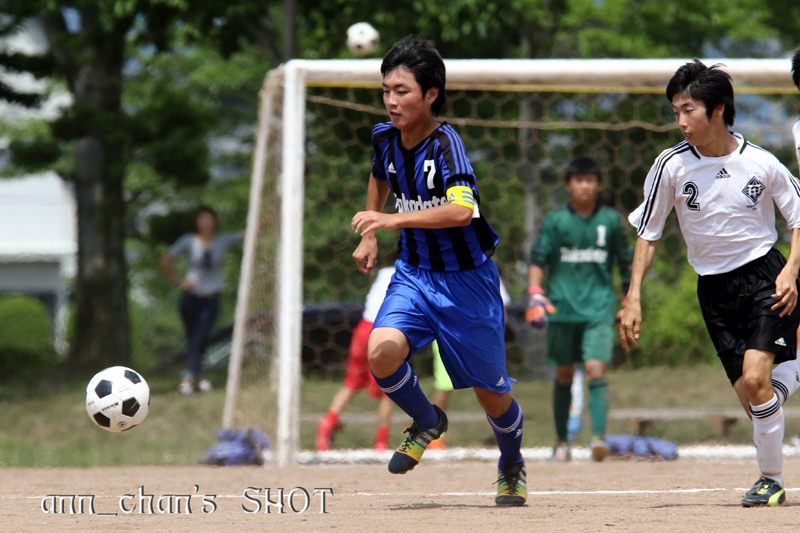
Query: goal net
(521, 121)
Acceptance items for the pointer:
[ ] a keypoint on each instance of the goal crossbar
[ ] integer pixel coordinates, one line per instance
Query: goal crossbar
(650, 75)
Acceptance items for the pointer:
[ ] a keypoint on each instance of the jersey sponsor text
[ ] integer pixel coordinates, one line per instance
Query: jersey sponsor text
(588, 255)
(404, 205)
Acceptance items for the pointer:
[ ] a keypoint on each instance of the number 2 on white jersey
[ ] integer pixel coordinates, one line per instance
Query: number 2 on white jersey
(690, 189)
(431, 170)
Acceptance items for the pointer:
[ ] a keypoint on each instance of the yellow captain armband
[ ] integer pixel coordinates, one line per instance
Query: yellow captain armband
(461, 195)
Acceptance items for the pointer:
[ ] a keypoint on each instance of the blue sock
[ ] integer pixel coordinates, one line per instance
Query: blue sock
(402, 387)
(508, 432)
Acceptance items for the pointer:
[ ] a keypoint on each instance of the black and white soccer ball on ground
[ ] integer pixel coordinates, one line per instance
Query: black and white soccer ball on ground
(117, 399)
(362, 38)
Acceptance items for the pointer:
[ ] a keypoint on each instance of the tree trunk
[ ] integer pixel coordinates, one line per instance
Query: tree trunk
(102, 324)
(289, 28)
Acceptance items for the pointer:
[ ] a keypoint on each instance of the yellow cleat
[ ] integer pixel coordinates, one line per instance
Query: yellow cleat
(511, 488)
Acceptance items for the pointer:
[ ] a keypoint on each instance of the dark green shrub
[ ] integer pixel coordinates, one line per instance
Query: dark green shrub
(26, 344)
(673, 330)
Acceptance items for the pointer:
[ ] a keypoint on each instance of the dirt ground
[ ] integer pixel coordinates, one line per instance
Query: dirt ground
(438, 496)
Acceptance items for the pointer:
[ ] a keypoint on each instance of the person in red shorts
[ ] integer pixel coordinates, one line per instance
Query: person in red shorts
(358, 375)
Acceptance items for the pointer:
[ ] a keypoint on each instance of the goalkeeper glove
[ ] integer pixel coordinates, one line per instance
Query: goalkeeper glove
(618, 316)
(538, 308)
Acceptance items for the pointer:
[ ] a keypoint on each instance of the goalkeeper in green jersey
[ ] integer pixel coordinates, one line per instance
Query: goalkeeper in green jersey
(577, 245)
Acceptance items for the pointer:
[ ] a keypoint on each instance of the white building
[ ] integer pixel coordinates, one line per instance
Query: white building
(38, 233)
(38, 243)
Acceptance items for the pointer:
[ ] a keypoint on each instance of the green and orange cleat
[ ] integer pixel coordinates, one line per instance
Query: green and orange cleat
(511, 488)
(407, 456)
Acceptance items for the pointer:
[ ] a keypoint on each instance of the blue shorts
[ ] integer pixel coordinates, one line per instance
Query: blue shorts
(462, 310)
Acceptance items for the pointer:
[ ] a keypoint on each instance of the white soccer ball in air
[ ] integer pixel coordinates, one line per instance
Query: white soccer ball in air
(117, 399)
(362, 38)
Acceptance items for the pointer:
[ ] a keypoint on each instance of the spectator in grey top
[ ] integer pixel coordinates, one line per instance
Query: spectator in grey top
(205, 253)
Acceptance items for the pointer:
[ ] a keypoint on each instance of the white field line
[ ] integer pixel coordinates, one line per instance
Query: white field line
(553, 492)
(366, 456)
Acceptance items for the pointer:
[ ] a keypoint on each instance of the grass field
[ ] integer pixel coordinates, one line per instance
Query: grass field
(40, 429)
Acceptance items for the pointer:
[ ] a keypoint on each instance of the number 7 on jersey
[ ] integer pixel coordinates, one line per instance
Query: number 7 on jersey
(431, 170)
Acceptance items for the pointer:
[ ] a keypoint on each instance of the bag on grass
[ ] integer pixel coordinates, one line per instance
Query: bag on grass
(238, 447)
(642, 446)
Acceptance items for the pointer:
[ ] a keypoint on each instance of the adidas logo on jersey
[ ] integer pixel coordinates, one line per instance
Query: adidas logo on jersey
(722, 174)
(500, 383)
(780, 342)
(391, 168)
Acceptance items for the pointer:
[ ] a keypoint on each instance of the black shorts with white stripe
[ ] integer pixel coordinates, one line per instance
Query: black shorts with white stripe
(736, 308)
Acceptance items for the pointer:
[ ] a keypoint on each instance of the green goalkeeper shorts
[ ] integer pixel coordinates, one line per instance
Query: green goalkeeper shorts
(569, 343)
(440, 375)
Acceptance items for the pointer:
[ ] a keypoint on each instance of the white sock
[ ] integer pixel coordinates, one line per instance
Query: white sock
(576, 406)
(768, 427)
(786, 379)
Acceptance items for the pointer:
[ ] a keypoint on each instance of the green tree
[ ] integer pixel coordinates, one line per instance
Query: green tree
(117, 149)
(93, 141)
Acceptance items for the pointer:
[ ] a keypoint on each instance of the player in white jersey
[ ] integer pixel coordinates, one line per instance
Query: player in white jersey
(722, 188)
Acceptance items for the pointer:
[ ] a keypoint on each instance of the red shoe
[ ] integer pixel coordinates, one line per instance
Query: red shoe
(381, 439)
(325, 430)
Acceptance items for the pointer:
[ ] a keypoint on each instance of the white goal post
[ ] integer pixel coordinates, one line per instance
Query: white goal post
(292, 79)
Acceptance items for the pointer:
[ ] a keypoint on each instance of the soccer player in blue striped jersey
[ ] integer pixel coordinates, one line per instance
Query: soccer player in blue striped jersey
(446, 287)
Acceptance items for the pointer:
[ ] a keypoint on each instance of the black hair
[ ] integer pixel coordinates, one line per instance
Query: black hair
(205, 209)
(422, 59)
(796, 68)
(710, 85)
(583, 165)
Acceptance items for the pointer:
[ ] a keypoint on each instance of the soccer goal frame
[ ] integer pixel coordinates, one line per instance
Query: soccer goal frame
(570, 75)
